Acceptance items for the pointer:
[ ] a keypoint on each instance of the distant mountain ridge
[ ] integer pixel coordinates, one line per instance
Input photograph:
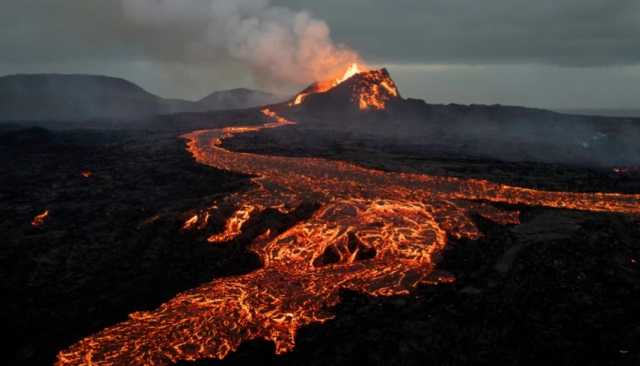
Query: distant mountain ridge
(78, 97)
(240, 98)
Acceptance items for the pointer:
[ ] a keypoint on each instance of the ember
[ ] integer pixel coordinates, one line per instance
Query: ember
(371, 90)
(40, 219)
(375, 232)
(190, 223)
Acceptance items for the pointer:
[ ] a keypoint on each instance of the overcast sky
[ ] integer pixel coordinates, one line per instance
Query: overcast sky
(545, 53)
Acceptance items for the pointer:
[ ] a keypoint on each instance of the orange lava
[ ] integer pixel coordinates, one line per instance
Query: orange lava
(234, 225)
(197, 221)
(375, 91)
(372, 91)
(324, 86)
(190, 223)
(375, 232)
(40, 219)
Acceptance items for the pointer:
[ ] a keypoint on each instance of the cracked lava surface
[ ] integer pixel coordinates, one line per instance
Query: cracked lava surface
(374, 232)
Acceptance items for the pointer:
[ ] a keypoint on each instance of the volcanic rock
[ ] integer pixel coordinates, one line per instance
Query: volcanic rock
(369, 105)
(367, 91)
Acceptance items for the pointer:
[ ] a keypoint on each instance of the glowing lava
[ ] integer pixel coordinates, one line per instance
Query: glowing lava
(370, 90)
(190, 223)
(375, 232)
(40, 219)
(324, 86)
(373, 90)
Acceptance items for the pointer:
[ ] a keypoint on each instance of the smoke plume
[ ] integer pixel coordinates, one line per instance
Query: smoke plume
(281, 47)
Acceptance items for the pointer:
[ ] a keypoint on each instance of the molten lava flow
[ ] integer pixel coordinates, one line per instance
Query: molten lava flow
(324, 86)
(197, 221)
(375, 232)
(353, 70)
(234, 225)
(370, 90)
(374, 90)
(190, 223)
(40, 219)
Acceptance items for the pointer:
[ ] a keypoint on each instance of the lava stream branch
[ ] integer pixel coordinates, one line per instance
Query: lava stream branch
(375, 232)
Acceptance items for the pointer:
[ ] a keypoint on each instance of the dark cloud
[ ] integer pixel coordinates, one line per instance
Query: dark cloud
(59, 31)
(547, 86)
(169, 48)
(561, 32)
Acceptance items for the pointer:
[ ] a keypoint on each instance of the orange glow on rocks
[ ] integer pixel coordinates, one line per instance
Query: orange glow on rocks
(353, 70)
(375, 232)
(371, 91)
(234, 225)
(374, 90)
(190, 223)
(40, 219)
(324, 86)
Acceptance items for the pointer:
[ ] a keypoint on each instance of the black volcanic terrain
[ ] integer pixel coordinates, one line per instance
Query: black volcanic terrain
(560, 288)
(495, 132)
(112, 241)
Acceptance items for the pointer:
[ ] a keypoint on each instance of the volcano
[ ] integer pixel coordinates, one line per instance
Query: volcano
(361, 93)
(367, 90)
(368, 104)
(358, 93)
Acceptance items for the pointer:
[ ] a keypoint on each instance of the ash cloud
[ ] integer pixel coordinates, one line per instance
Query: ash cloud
(281, 47)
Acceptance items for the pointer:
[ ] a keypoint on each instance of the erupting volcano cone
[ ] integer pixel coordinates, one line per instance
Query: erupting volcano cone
(358, 91)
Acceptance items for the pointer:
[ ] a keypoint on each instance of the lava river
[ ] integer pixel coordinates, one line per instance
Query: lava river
(374, 232)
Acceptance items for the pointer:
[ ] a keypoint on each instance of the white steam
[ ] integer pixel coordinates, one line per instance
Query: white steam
(280, 46)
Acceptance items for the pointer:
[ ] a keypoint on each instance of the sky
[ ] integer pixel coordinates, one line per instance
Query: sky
(561, 54)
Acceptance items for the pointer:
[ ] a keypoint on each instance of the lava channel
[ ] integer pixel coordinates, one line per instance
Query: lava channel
(374, 232)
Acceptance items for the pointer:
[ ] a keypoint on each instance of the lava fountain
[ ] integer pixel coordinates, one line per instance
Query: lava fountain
(374, 232)
(324, 86)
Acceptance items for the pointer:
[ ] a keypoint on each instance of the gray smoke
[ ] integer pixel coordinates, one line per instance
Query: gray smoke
(281, 47)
